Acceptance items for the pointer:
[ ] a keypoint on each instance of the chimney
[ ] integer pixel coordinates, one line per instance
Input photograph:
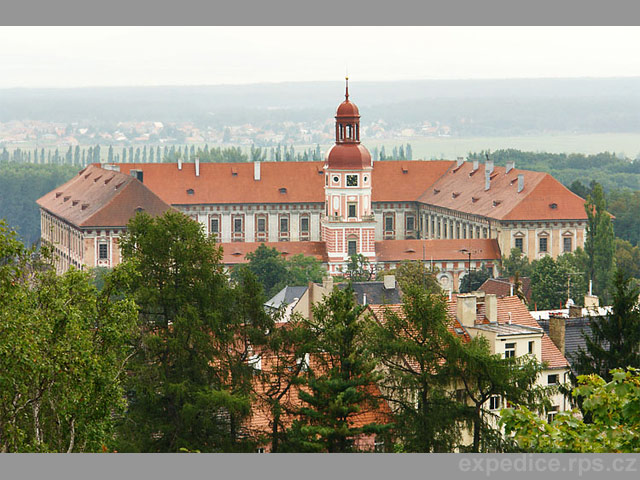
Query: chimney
(476, 165)
(327, 282)
(364, 299)
(256, 170)
(179, 163)
(556, 331)
(389, 282)
(510, 166)
(520, 182)
(459, 162)
(511, 289)
(491, 307)
(487, 180)
(488, 167)
(466, 309)
(197, 166)
(575, 311)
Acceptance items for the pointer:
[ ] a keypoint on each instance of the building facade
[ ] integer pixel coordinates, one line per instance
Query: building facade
(350, 204)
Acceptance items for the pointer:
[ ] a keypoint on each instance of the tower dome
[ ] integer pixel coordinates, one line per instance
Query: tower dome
(348, 153)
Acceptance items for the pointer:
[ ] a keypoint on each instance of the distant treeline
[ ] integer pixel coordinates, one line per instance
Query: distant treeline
(20, 186)
(81, 156)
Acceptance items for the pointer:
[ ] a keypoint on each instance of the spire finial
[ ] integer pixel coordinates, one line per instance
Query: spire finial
(346, 94)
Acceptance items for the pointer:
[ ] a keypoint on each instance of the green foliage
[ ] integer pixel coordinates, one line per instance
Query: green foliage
(190, 381)
(624, 205)
(615, 340)
(482, 375)
(614, 409)
(627, 257)
(63, 350)
(338, 383)
(358, 269)
(413, 273)
(554, 281)
(274, 272)
(411, 346)
(474, 280)
(599, 243)
(516, 264)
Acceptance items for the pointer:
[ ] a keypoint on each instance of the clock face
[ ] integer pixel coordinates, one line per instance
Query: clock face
(352, 180)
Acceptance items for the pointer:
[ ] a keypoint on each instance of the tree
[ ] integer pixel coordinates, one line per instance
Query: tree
(474, 280)
(338, 384)
(627, 257)
(268, 265)
(413, 273)
(548, 284)
(613, 408)
(599, 244)
(411, 345)
(184, 387)
(358, 269)
(63, 350)
(615, 339)
(303, 269)
(482, 375)
(516, 264)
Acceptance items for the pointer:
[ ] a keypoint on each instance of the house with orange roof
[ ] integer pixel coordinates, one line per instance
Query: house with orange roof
(458, 215)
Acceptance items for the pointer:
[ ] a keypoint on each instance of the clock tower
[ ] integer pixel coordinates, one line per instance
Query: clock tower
(348, 225)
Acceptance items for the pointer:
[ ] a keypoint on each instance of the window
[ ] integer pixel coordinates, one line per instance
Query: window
(304, 224)
(352, 247)
(411, 223)
(566, 244)
(531, 346)
(388, 223)
(378, 445)
(543, 244)
(352, 207)
(551, 415)
(237, 225)
(509, 350)
(494, 402)
(215, 225)
(461, 395)
(261, 226)
(284, 224)
(553, 379)
(103, 251)
(305, 361)
(352, 180)
(260, 450)
(519, 244)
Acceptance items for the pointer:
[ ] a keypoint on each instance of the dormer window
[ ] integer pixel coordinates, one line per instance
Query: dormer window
(190, 191)
(283, 190)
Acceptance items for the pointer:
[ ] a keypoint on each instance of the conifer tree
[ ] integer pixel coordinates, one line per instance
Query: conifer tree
(615, 339)
(76, 155)
(599, 244)
(340, 381)
(110, 154)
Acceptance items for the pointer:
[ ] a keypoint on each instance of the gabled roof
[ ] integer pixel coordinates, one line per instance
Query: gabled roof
(235, 252)
(542, 198)
(400, 250)
(502, 287)
(101, 198)
(286, 296)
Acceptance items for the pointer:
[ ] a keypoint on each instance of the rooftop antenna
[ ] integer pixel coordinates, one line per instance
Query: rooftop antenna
(346, 94)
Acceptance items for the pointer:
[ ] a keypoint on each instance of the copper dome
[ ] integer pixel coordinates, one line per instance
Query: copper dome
(347, 109)
(348, 156)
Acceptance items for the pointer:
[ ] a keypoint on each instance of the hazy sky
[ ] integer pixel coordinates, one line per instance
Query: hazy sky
(97, 56)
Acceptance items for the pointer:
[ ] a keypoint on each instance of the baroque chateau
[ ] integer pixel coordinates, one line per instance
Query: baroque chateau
(454, 215)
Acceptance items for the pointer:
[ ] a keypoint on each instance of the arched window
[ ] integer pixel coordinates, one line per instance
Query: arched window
(349, 131)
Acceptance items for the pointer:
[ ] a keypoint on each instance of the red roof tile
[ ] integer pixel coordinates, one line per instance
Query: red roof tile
(399, 250)
(235, 252)
(101, 198)
(463, 190)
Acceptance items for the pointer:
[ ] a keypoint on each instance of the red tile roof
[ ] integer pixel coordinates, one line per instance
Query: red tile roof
(502, 287)
(399, 250)
(101, 198)
(463, 190)
(390, 183)
(235, 252)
